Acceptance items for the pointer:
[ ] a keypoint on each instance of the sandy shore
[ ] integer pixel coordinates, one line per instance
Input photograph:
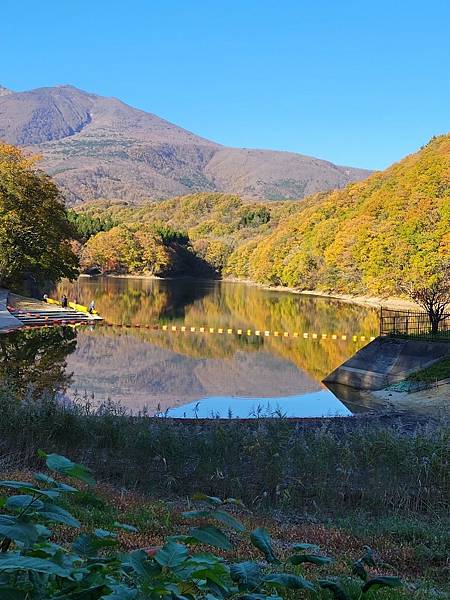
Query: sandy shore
(389, 302)
(434, 401)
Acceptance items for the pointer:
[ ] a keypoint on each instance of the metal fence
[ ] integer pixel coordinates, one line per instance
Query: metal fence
(401, 323)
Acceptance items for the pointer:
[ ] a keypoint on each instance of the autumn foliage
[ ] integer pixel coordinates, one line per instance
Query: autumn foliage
(35, 232)
(372, 237)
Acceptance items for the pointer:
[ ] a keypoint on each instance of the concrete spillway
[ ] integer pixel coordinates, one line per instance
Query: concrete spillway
(387, 360)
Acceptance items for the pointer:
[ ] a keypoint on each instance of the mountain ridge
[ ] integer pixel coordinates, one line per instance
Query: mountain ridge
(101, 148)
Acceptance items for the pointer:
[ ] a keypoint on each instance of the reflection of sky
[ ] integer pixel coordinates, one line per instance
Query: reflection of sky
(316, 404)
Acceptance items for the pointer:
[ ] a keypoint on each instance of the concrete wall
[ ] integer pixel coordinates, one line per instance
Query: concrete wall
(7, 321)
(387, 360)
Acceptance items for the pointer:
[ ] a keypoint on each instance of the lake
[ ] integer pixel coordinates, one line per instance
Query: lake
(181, 348)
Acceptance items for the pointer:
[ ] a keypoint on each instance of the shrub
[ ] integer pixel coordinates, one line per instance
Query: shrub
(33, 566)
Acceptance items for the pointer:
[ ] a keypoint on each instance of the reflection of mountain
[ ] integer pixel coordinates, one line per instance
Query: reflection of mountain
(137, 373)
(225, 304)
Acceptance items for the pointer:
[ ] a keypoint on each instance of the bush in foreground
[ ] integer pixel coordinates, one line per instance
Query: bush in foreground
(33, 566)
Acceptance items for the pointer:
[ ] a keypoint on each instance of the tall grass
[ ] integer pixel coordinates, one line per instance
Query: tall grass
(327, 466)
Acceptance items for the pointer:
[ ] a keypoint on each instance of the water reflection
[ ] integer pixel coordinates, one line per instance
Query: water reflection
(315, 404)
(225, 304)
(35, 361)
(173, 371)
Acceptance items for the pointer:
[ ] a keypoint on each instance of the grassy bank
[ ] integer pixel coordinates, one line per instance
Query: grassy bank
(436, 372)
(342, 484)
(318, 467)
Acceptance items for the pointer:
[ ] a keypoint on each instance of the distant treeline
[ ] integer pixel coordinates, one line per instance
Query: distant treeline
(370, 237)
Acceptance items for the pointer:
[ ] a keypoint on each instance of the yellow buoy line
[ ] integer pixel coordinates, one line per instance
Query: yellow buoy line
(247, 332)
(213, 330)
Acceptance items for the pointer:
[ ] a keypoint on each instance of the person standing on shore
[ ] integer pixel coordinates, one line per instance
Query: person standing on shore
(64, 301)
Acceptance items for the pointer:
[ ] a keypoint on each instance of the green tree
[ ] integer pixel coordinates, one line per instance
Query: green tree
(35, 232)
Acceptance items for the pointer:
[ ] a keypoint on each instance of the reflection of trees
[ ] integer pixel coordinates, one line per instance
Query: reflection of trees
(135, 301)
(35, 360)
(239, 306)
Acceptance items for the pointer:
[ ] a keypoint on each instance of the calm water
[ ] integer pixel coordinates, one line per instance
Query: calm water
(184, 373)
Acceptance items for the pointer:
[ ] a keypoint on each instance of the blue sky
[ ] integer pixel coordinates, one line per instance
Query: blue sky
(360, 83)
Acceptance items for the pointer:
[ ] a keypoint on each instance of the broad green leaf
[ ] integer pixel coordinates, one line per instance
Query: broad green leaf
(61, 464)
(306, 547)
(104, 534)
(43, 531)
(335, 588)
(314, 559)
(359, 569)
(259, 597)
(214, 500)
(383, 581)
(171, 555)
(84, 545)
(29, 489)
(217, 573)
(43, 478)
(55, 513)
(227, 519)
(138, 561)
(289, 581)
(247, 574)
(217, 515)
(18, 530)
(16, 562)
(24, 501)
(210, 535)
(15, 485)
(64, 487)
(368, 557)
(88, 545)
(44, 549)
(204, 559)
(120, 592)
(260, 538)
(125, 527)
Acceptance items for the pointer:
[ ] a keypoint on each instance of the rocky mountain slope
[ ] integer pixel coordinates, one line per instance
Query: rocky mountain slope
(97, 147)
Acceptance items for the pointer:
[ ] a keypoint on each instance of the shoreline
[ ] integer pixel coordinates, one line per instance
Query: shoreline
(391, 302)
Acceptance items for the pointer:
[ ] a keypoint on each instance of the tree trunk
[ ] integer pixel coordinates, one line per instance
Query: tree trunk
(435, 320)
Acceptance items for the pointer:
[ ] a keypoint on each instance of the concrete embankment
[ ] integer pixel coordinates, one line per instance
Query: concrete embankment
(7, 320)
(386, 361)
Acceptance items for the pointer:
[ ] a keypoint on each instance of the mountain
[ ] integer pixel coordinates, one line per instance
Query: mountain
(97, 147)
(368, 238)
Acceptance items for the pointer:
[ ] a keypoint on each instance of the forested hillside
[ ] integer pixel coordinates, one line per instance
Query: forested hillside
(370, 237)
(206, 226)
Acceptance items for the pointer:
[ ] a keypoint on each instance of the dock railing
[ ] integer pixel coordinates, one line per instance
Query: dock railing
(406, 323)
